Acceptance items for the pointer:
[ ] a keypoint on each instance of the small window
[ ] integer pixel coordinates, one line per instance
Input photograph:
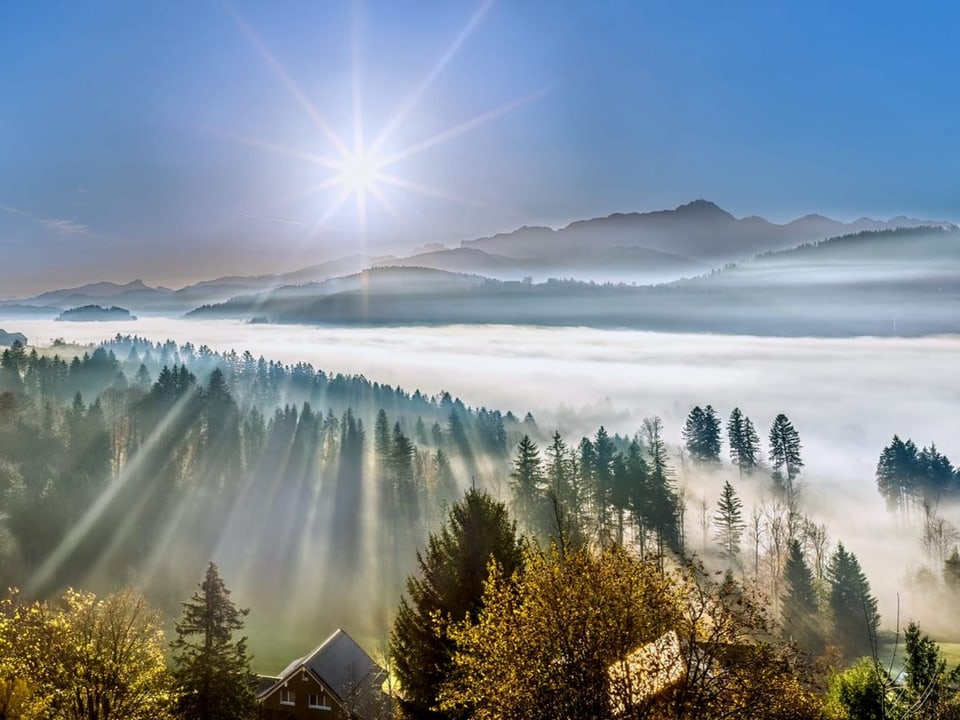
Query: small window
(287, 697)
(318, 702)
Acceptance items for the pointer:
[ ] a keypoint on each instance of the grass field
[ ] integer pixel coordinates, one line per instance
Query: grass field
(950, 651)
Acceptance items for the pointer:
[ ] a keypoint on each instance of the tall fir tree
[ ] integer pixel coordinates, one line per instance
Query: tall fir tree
(897, 472)
(661, 505)
(799, 611)
(691, 433)
(744, 442)
(211, 669)
(854, 609)
(527, 482)
(701, 436)
(603, 456)
(729, 522)
(785, 452)
(448, 589)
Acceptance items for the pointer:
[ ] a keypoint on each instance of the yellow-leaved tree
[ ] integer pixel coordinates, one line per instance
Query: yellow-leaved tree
(590, 634)
(83, 659)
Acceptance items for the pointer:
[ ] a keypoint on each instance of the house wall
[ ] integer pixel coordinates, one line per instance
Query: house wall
(302, 684)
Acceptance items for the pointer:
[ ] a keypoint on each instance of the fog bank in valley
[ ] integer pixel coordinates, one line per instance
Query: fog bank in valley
(846, 397)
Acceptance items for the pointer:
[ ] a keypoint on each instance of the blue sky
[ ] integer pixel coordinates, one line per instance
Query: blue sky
(133, 136)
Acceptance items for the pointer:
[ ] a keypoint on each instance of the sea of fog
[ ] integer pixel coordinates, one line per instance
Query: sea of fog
(846, 397)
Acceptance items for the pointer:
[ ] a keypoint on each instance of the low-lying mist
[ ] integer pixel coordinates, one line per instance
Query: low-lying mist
(846, 397)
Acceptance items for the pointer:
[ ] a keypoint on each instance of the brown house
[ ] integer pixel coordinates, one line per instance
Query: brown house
(336, 681)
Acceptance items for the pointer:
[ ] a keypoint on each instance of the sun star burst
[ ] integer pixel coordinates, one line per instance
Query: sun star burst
(362, 172)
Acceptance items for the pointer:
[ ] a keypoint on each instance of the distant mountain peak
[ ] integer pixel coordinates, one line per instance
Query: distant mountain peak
(703, 208)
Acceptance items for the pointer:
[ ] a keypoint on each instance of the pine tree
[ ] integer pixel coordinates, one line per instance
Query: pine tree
(729, 522)
(800, 611)
(381, 439)
(897, 474)
(211, 669)
(558, 469)
(854, 608)
(527, 482)
(691, 433)
(925, 669)
(935, 474)
(744, 442)
(710, 432)
(448, 589)
(603, 455)
(785, 450)
(701, 436)
(661, 504)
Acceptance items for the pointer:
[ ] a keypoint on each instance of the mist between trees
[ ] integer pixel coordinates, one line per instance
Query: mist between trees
(137, 462)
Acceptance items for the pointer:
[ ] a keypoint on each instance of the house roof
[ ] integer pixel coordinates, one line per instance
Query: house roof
(264, 683)
(343, 667)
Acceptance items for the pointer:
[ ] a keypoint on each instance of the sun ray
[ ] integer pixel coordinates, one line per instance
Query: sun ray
(315, 189)
(334, 207)
(288, 82)
(357, 86)
(320, 160)
(385, 202)
(464, 127)
(360, 171)
(79, 531)
(430, 191)
(361, 195)
(411, 102)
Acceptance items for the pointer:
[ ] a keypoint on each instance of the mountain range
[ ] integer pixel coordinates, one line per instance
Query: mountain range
(903, 281)
(639, 248)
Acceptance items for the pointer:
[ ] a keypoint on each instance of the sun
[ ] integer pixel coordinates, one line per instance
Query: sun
(365, 171)
(359, 172)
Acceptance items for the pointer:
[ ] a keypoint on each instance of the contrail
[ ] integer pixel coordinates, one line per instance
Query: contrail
(273, 219)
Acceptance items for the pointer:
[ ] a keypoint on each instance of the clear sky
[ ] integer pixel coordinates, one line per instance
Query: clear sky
(177, 140)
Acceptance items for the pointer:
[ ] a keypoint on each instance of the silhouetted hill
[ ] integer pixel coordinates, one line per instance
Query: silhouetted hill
(95, 313)
(699, 231)
(376, 282)
(902, 282)
(641, 248)
(637, 264)
(93, 290)
(924, 255)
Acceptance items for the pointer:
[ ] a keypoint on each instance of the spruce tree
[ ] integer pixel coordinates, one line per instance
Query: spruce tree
(448, 589)
(898, 473)
(527, 477)
(381, 439)
(729, 522)
(710, 432)
(925, 669)
(785, 450)
(854, 608)
(661, 505)
(691, 433)
(603, 455)
(800, 612)
(558, 470)
(701, 436)
(744, 442)
(212, 673)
